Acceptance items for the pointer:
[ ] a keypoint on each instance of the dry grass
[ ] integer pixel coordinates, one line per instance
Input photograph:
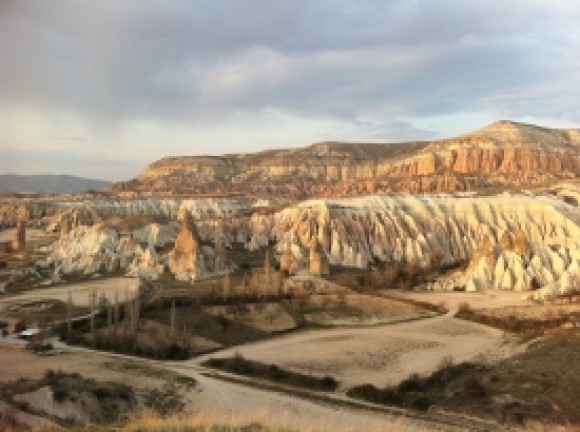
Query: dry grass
(260, 421)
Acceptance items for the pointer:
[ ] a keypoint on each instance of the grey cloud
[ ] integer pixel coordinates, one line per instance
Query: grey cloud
(203, 61)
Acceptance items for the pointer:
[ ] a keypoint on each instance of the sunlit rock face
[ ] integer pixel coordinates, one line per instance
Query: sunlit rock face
(513, 242)
(504, 154)
(186, 261)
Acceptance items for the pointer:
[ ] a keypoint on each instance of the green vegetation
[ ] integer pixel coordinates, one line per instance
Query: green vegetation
(241, 366)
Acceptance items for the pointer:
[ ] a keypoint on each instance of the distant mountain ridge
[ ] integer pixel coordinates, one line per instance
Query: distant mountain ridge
(48, 184)
(505, 153)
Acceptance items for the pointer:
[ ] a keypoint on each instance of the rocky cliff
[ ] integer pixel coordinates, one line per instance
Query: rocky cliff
(526, 242)
(504, 153)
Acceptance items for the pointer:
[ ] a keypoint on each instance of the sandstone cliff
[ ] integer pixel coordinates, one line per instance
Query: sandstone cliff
(521, 238)
(504, 153)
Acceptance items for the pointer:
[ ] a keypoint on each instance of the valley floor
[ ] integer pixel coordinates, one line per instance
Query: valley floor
(382, 355)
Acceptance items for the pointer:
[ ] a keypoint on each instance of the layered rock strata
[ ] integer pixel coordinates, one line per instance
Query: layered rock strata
(502, 154)
(535, 238)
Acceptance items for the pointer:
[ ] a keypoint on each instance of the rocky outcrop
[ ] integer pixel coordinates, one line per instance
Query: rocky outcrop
(317, 260)
(511, 241)
(98, 250)
(504, 153)
(19, 242)
(186, 261)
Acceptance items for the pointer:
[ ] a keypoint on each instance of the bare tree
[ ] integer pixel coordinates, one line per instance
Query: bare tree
(92, 301)
(173, 319)
(226, 284)
(267, 280)
(69, 316)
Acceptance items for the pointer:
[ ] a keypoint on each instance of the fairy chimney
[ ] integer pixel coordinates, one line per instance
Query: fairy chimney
(65, 226)
(318, 262)
(19, 242)
(288, 262)
(186, 261)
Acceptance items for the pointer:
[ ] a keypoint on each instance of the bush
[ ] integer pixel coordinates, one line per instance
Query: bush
(60, 394)
(464, 308)
(20, 326)
(165, 401)
(475, 387)
(410, 384)
(329, 382)
(420, 403)
(238, 364)
(277, 374)
(417, 392)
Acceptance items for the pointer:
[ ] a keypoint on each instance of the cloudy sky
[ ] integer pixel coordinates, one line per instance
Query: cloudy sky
(102, 88)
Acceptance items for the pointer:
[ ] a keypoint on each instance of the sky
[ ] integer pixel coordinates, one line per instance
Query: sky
(102, 88)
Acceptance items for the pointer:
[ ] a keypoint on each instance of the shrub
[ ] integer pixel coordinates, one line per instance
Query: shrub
(329, 382)
(412, 383)
(475, 387)
(421, 403)
(20, 326)
(165, 401)
(277, 374)
(464, 308)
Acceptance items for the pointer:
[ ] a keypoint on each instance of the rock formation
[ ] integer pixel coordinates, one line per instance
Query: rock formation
(19, 242)
(288, 263)
(317, 259)
(511, 241)
(186, 261)
(504, 153)
(65, 225)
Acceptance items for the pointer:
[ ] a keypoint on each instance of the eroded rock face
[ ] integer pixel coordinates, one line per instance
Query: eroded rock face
(513, 241)
(504, 153)
(19, 242)
(99, 249)
(317, 259)
(186, 261)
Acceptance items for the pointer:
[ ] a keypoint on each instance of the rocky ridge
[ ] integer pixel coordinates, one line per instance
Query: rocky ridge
(429, 230)
(502, 154)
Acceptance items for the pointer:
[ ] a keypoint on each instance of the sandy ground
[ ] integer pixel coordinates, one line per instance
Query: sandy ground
(211, 399)
(380, 355)
(360, 309)
(488, 299)
(385, 355)
(269, 317)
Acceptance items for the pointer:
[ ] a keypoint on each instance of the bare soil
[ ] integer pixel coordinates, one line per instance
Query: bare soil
(267, 317)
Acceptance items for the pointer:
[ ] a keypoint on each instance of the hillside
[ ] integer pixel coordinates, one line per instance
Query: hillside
(48, 183)
(502, 154)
